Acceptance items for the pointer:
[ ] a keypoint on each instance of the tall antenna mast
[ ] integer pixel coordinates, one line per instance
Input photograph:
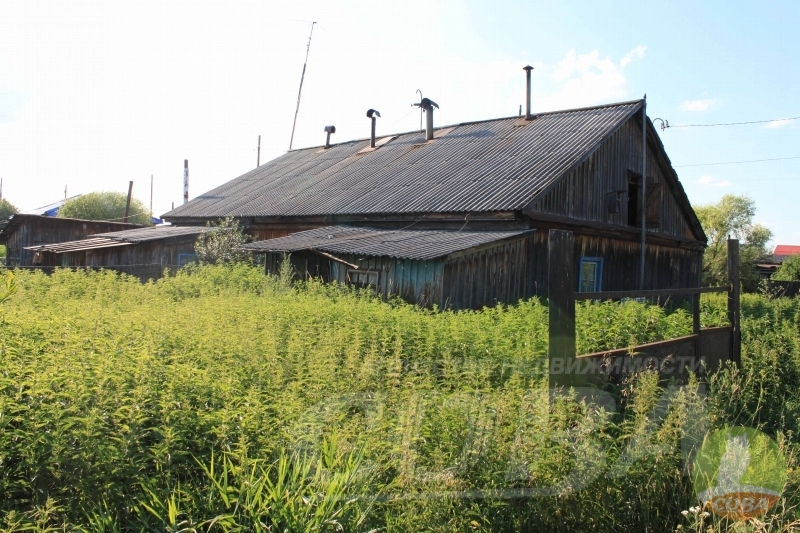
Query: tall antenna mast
(308, 48)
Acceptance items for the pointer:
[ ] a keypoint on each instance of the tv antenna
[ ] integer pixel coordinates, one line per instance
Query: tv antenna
(300, 90)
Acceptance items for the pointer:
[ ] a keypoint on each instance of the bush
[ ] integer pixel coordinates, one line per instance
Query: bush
(106, 206)
(222, 244)
(226, 400)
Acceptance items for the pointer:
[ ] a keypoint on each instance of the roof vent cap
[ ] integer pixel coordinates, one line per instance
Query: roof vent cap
(329, 130)
(371, 114)
(427, 105)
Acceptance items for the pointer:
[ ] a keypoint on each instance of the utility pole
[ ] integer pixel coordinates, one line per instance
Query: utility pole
(151, 195)
(302, 77)
(1, 188)
(128, 203)
(185, 181)
(258, 157)
(65, 192)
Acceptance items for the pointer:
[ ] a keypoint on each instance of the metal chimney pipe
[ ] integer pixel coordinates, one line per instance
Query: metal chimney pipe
(528, 70)
(185, 181)
(372, 114)
(329, 130)
(429, 123)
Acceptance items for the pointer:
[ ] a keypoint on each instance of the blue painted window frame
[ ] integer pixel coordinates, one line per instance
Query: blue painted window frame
(598, 274)
(185, 259)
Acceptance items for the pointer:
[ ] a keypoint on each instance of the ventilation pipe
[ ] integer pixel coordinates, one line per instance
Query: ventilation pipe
(329, 130)
(427, 105)
(528, 70)
(371, 113)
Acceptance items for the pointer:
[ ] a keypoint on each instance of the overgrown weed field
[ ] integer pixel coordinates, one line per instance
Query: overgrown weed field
(218, 399)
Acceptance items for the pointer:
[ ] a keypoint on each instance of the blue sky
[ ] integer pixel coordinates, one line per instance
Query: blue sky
(94, 94)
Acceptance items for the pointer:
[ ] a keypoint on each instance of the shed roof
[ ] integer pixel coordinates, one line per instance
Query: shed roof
(121, 238)
(493, 165)
(401, 244)
(15, 221)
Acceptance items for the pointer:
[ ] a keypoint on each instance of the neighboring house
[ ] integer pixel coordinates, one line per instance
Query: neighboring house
(24, 230)
(461, 219)
(767, 266)
(143, 249)
(51, 210)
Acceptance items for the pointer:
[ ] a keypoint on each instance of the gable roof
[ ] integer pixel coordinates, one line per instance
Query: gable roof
(493, 165)
(401, 244)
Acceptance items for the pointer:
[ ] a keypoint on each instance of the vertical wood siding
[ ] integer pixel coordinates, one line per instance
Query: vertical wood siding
(582, 195)
(48, 230)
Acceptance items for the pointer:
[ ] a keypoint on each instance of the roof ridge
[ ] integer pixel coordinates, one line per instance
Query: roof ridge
(469, 123)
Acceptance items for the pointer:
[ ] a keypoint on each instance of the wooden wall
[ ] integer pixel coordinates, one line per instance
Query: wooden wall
(162, 252)
(584, 193)
(48, 230)
(505, 273)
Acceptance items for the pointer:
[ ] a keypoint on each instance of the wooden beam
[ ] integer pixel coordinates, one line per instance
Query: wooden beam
(561, 304)
(334, 258)
(650, 293)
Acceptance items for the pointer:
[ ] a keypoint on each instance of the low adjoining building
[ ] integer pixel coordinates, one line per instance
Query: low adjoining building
(144, 252)
(23, 231)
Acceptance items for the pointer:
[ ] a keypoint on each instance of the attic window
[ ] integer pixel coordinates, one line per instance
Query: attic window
(653, 205)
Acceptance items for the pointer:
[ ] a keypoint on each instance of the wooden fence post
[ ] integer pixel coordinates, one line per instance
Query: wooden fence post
(733, 301)
(561, 304)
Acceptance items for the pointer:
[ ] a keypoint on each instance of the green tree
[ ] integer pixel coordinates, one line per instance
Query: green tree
(7, 209)
(732, 216)
(221, 245)
(105, 205)
(789, 269)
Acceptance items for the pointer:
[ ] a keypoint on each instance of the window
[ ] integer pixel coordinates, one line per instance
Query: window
(362, 278)
(185, 259)
(653, 201)
(591, 275)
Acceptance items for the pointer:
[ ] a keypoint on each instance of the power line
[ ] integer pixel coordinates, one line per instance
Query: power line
(736, 162)
(668, 125)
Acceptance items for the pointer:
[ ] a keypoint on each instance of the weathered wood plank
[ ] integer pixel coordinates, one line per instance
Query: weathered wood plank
(561, 304)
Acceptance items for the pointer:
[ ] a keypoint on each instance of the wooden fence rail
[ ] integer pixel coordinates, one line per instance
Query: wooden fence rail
(703, 350)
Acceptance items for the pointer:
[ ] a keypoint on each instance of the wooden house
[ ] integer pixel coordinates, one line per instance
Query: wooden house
(23, 231)
(137, 251)
(459, 216)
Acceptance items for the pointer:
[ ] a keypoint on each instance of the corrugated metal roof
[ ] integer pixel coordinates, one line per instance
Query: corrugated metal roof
(786, 249)
(480, 166)
(90, 243)
(15, 221)
(121, 238)
(401, 244)
(154, 233)
(51, 210)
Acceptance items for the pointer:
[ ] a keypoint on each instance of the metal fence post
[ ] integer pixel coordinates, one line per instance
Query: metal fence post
(561, 304)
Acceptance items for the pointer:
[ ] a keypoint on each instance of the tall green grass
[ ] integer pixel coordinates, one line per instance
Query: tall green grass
(220, 399)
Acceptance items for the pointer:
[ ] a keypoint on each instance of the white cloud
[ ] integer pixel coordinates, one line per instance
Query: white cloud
(699, 105)
(588, 79)
(711, 181)
(775, 124)
(637, 52)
